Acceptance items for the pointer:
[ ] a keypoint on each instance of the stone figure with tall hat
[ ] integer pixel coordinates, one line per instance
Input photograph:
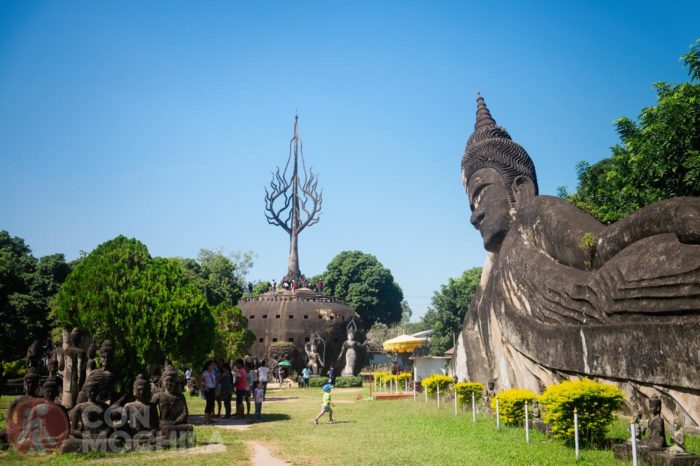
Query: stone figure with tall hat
(561, 293)
(350, 350)
(73, 364)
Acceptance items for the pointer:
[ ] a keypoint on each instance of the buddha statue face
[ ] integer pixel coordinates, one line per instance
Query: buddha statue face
(141, 389)
(50, 391)
(169, 383)
(490, 205)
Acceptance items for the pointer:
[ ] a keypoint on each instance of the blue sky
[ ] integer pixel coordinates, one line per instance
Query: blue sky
(162, 120)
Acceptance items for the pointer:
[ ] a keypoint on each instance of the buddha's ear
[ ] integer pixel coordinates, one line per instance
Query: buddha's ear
(523, 189)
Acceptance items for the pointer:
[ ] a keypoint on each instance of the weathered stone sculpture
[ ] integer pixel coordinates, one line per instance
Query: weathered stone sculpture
(316, 363)
(291, 210)
(105, 372)
(563, 294)
(657, 431)
(72, 363)
(350, 349)
(92, 423)
(91, 363)
(142, 414)
(172, 410)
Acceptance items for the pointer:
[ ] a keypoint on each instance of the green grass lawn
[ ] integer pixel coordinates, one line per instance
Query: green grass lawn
(365, 432)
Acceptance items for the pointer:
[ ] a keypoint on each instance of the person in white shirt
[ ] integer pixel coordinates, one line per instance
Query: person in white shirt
(263, 376)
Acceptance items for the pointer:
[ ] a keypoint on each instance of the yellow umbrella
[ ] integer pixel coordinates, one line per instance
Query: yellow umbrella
(403, 344)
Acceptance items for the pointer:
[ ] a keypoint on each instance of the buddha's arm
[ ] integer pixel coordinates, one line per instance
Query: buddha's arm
(680, 216)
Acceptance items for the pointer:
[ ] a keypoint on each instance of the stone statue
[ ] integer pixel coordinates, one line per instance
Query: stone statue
(106, 371)
(678, 436)
(31, 390)
(349, 349)
(73, 365)
(536, 414)
(172, 409)
(142, 415)
(563, 293)
(316, 361)
(33, 356)
(91, 362)
(657, 432)
(92, 422)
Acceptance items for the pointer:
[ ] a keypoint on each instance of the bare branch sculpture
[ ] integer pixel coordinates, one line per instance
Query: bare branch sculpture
(284, 203)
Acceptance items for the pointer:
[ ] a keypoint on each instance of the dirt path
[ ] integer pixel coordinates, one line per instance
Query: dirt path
(263, 457)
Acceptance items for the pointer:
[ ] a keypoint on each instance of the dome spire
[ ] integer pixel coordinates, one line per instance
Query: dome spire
(483, 115)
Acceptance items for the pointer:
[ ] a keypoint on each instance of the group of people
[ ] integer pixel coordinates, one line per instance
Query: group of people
(219, 382)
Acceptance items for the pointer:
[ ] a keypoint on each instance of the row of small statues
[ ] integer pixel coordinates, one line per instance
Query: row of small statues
(93, 417)
(654, 426)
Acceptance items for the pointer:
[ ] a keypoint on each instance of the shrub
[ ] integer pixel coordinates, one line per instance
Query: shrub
(14, 369)
(436, 380)
(340, 382)
(464, 391)
(318, 381)
(348, 381)
(511, 404)
(594, 402)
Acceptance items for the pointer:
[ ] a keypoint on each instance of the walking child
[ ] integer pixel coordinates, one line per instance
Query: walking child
(258, 397)
(326, 405)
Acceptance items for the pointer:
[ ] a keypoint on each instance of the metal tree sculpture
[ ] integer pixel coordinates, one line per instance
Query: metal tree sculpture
(284, 204)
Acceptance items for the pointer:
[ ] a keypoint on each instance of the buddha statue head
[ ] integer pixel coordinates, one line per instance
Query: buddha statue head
(141, 389)
(499, 177)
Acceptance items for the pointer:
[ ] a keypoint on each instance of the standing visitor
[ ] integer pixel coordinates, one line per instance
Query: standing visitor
(241, 385)
(218, 369)
(274, 286)
(250, 289)
(208, 380)
(319, 285)
(294, 286)
(326, 404)
(331, 376)
(305, 374)
(226, 382)
(252, 381)
(258, 397)
(263, 376)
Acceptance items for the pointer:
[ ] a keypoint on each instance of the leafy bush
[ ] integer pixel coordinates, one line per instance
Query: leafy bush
(319, 381)
(436, 380)
(340, 382)
(511, 405)
(14, 369)
(464, 391)
(594, 402)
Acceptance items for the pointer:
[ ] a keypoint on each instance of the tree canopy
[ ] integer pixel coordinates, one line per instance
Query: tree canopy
(149, 307)
(366, 285)
(26, 287)
(221, 277)
(658, 158)
(449, 305)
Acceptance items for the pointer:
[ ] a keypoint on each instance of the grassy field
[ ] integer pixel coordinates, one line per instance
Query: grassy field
(365, 432)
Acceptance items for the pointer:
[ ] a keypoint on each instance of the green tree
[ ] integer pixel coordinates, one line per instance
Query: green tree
(659, 157)
(221, 277)
(26, 287)
(233, 339)
(149, 307)
(449, 304)
(261, 287)
(366, 285)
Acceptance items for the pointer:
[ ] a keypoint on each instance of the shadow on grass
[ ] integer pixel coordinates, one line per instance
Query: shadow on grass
(198, 420)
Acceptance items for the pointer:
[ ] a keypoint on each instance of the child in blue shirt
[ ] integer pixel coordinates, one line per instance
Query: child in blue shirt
(326, 404)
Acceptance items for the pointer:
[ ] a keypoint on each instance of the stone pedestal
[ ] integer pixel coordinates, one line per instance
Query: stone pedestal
(654, 457)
